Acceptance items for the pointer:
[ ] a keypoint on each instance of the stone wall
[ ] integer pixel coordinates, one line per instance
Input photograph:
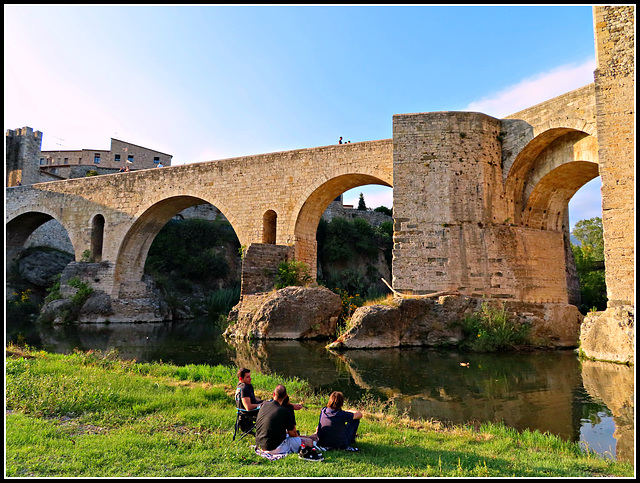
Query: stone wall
(448, 175)
(615, 100)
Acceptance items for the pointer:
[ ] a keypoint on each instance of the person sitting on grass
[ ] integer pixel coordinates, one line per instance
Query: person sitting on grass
(337, 428)
(276, 426)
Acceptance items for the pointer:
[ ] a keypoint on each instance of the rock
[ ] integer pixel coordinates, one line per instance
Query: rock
(41, 267)
(406, 322)
(436, 323)
(58, 311)
(288, 313)
(97, 308)
(609, 335)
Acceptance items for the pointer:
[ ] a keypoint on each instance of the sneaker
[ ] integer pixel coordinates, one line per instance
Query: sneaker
(310, 454)
(319, 448)
(351, 448)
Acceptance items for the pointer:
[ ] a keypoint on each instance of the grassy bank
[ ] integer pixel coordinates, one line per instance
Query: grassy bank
(92, 414)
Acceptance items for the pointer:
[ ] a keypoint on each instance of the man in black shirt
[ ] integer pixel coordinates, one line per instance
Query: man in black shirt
(246, 399)
(276, 425)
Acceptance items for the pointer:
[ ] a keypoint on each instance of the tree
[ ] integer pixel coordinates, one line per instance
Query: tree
(590, 234)
(588, 258)
(361, 205)
(385, 210)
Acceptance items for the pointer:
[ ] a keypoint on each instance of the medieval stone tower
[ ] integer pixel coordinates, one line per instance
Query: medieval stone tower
(23, 151)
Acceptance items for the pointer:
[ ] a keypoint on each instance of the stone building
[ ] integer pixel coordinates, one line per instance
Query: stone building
(26, 163)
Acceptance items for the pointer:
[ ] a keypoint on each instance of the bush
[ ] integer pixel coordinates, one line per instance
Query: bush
(292, 273)
(492, 329)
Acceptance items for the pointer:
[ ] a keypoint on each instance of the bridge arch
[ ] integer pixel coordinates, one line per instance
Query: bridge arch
(547, 203)
(22, 225)
(315, 202)
(547, 172)
(133, 250)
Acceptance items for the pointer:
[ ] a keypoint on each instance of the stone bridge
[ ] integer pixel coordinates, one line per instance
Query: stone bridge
(480, 204)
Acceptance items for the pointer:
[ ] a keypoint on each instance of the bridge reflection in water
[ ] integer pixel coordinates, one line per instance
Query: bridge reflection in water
(586, 401)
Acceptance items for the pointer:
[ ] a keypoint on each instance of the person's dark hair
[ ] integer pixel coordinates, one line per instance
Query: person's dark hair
(336, 399)
(243, 372)
(280, 392)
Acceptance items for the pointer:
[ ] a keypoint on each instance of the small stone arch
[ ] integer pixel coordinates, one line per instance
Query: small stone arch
(97, 237)
(269, 227)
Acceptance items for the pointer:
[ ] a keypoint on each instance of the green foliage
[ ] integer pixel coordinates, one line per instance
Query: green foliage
(492, 329)
(590, 234)
(385, 210)
(593, 287)
(293, 273)
(341, 239)
(589, 258)
(21, 304)
(83, 291)
(91, 172)
(190, 249)
(221, 302)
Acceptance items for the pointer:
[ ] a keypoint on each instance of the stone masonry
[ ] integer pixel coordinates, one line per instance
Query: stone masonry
(480, 204)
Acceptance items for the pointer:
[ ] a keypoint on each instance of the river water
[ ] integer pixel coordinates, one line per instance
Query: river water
(550, 391)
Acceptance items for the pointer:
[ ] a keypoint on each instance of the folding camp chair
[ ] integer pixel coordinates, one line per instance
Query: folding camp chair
(245, 419)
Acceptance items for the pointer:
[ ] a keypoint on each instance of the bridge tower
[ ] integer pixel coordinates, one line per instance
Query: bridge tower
(23, 153)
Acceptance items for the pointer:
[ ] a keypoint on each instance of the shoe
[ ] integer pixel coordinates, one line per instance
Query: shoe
(319, 448)
(351, 448)
(310, 454)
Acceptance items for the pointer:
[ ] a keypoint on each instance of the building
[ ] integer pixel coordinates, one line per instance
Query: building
(27, 164)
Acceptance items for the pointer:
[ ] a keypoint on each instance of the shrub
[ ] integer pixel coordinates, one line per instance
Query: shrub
(492, 329)
(292, 273)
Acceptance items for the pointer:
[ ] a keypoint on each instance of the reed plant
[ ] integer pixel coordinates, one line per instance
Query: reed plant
(492, 329)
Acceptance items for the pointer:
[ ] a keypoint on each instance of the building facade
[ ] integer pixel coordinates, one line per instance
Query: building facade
(27, 164)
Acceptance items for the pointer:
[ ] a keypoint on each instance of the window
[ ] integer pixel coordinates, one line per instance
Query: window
(66, 160)
(130, 158)
(156, 159)
(41, 161)
(96, 158)
(117, 157)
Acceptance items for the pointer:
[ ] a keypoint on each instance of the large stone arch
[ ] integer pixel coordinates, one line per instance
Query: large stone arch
(547, 204)
(543, 155)
(313, 205)
(133, 250)
(23, 224)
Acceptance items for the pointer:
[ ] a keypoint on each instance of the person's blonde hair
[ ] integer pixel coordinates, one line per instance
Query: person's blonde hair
(336, 399)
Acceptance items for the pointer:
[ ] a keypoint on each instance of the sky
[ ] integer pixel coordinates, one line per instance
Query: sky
(214, 82)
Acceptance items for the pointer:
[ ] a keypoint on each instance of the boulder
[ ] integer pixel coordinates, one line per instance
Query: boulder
(406, 322)
(435, 322)
(609, 335)
(288, 313)
(41, 267)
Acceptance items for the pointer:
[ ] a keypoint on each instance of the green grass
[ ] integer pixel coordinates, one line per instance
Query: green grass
(95, 415)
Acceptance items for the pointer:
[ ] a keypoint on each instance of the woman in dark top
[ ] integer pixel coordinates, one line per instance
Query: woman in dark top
(337, 428)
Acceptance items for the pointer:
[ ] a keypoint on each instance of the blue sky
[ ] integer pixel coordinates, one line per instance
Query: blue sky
(214, 82)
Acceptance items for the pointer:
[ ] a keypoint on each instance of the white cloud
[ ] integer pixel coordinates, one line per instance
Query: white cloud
(536, 89)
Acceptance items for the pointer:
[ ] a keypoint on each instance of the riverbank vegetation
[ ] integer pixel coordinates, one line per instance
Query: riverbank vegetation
(92, 414)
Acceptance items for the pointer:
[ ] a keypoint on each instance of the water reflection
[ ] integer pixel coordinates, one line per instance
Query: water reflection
(590, 402)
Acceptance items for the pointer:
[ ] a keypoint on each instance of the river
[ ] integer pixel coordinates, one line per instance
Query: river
(586, 401)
